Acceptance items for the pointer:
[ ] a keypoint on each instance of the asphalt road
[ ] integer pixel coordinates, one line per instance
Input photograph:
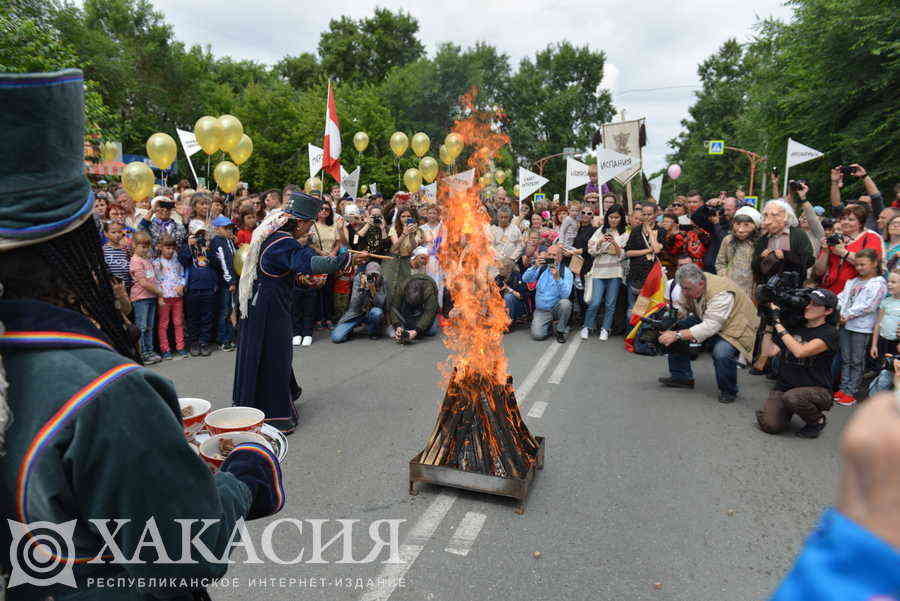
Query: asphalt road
(647, 493)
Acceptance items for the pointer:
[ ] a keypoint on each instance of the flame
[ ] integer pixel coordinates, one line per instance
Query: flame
(474, 332)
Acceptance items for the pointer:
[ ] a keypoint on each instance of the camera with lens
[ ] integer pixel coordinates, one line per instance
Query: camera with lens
(833, 239)
(550, 261)
(785, 290)
(500, 281)
(889, 362)
(376, 219)
(647, 342)
(795, 184)
(847, 171)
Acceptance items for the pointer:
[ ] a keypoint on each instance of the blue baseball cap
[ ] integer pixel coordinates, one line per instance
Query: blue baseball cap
(222, 221)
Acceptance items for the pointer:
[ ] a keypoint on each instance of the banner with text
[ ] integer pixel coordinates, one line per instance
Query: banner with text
(461, 181)
(529, 182)
(576, 174)
(624, 137)
(611, 164)
(799, 153)
(350, 182)
(315, 159)
(430, 191)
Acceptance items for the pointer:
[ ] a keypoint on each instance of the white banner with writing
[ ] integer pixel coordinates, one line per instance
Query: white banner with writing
(799, 153)
(315, 159)
(624, 137)
(576, 174)
(611, 164)
(461, 181)
(529, 182)
(350, 181)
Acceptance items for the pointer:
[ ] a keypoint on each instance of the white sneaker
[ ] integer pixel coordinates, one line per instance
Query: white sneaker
(585, 333)
(296, 341)
(307, 340)
(604, 335)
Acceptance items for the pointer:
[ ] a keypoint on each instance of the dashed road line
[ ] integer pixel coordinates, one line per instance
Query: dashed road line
(537, 410)
(466, 533)
(561, 369)
(537, 371)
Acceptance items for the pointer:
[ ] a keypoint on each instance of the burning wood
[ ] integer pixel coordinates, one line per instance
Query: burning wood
(479, 429)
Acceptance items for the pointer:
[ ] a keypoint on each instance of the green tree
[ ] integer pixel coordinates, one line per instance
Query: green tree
(553, 102)
(365, 51)
(301, 71)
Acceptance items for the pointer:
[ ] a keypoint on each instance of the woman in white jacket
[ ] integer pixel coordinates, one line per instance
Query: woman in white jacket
(605, 277)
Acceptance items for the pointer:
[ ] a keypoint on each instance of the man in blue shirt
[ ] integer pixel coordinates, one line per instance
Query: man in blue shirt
(554, 285)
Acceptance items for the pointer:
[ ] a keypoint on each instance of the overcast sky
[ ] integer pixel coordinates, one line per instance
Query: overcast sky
(648, 43)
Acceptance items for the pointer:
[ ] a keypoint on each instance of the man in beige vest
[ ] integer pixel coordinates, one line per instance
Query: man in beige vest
(727, 316)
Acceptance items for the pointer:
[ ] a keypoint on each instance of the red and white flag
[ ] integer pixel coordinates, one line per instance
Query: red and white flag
(331, 162)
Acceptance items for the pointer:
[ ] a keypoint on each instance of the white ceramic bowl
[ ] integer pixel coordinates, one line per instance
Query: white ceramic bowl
(194, 422)
(209, 448)
(234, 419)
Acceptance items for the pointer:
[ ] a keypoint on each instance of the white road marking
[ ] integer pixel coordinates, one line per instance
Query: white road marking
(425, 528)
(410, 549)
(537, 371)
(561, 369)
(466, 533)
(537, 410)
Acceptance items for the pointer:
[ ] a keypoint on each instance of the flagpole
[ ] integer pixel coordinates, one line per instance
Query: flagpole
(786, 168)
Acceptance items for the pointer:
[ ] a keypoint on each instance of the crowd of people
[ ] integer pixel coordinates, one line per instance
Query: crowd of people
(581, 265)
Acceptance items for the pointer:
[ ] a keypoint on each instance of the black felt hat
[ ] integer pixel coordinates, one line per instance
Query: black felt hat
(303, 206)
(43, 190)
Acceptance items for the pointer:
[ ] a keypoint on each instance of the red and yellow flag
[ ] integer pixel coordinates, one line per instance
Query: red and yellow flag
(650, 300)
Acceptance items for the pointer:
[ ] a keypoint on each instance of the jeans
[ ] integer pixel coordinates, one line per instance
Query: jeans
(200, 307)
(854, 347)
(372, 319)
(608, 289)
(144, 316)
(306, 309)
(226, 303)
(515, 307)
(724, 359)
(632, 297)
(540, 322)
(172, 310)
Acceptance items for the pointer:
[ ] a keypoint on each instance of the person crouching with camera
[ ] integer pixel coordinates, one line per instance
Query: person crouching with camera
(727, 317)
(804, 376)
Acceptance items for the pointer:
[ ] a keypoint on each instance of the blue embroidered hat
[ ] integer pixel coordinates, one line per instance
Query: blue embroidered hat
(43, 190)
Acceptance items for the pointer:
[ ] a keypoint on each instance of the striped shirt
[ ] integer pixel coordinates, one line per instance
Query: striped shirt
(118, 260)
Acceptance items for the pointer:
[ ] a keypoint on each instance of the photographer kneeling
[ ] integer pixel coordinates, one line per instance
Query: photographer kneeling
(804, 376)
(727, 316)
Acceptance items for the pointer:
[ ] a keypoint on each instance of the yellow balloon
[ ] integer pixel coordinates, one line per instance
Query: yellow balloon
(242, 150)
(312, 185)
(361, 140)
(399, 143)
(232, 130)
(500, 176)
(240, 257)
(227, 175)
(208, 133)
(108, 152)
(445, 155)
(428, 167)
(413, 180)
(137, 178)
(363, 189)
(516, 190)
(161, 149)
(420, 144)
(485, 180)
(454, 144)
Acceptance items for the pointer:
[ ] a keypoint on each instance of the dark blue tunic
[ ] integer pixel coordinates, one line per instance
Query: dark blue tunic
(263, 375)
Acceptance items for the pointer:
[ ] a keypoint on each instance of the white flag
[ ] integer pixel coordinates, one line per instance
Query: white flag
(529, 182)
(624, 137)
(576, 174)
(656, 187)
(373, 188)
(798, 153)
(430, 190)
(350, 182)
(315, 159)
(188, 142)
(461, 181)
(611, 163)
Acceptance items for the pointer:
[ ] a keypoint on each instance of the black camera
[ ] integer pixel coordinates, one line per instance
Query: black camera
(794, 184)
(889, 363)
(376, 219)
(828, 223)
(652, 326)
(500, 281)
(550, 261)
(785, 291)
(200, 238)
(847, 171)
(833, 239)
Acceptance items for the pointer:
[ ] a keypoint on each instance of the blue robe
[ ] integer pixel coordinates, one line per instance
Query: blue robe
(263, 375)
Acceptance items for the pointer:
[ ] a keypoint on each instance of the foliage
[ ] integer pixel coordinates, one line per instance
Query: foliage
(828, 78)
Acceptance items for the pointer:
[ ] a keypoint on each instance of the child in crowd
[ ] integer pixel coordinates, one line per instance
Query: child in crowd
(200, 297)
(116, 254)
(246, 225)
(144, 292)
(222, 256)
(885, 333)
(858, 304)
(170, 274)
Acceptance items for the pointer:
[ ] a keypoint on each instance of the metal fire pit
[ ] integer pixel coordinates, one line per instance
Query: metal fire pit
(517, 488)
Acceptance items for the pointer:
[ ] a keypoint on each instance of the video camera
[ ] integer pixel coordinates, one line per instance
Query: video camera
(784, 290)
(656, 324)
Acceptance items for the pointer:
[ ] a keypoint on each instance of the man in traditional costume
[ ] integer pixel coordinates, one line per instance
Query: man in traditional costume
(86, 433)
(263, 375)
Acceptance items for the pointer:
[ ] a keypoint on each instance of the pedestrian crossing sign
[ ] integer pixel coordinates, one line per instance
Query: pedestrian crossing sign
(717, 147)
